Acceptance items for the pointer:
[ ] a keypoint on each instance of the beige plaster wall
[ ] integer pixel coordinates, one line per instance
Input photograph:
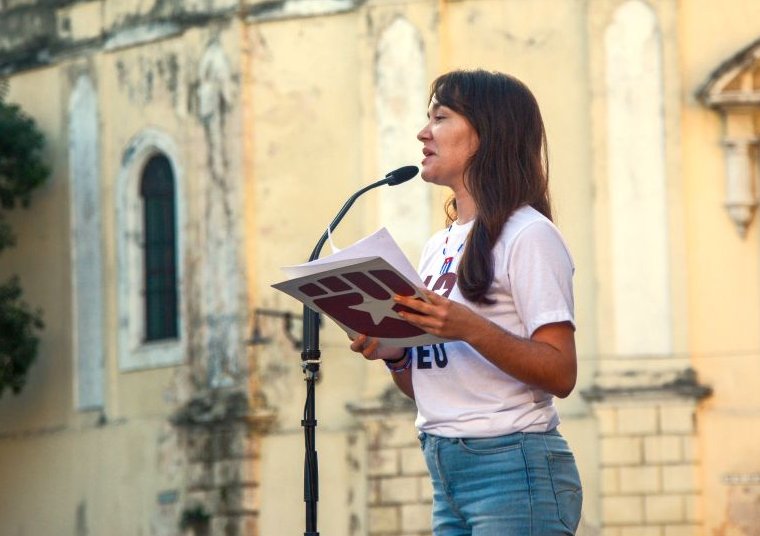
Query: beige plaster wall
(307, 145)
(43, 231)
(120, 470)
(724, 287)
(302, 139)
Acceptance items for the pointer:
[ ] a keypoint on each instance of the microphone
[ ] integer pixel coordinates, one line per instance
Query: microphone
(400, 175)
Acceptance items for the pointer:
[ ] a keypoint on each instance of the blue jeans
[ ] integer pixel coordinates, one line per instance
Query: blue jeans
(523, 484)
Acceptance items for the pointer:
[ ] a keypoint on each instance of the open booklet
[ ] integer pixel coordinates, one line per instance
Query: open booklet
(355, 288)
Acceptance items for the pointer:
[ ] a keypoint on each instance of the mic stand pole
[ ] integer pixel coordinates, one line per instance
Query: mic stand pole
(310, 361)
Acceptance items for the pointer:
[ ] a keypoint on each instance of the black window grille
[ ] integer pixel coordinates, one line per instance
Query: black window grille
(160, 253)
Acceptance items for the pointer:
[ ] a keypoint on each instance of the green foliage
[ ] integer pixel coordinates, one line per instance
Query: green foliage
(18, 343)
(21, 171)
(21, 167)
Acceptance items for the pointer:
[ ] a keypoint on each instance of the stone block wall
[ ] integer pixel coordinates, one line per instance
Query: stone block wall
(649, 464)
(222, 478)
(221, 441)
(400, 494)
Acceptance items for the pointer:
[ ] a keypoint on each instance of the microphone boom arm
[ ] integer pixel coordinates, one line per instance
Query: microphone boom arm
(343, 211)
(310, 358)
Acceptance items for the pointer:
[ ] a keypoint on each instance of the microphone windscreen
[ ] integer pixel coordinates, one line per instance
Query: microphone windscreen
(402, 174)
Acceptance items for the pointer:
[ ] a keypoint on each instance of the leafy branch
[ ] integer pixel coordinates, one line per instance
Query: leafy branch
(22, 170)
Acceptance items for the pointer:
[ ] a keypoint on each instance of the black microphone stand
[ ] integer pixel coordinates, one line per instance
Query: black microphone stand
(310, 361)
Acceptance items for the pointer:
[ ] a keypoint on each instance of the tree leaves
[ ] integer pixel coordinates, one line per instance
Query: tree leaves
(18, 343)
(21, 166)
(22, 169)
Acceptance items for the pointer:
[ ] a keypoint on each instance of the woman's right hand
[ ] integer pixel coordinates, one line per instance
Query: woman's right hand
(371, 350)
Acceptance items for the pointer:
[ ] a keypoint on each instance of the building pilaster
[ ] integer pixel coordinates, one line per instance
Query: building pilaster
(223, 454)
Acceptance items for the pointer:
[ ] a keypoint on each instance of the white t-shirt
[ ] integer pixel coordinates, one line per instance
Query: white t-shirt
(458, 392)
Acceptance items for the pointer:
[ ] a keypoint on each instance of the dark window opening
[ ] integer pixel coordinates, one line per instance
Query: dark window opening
(160, 250)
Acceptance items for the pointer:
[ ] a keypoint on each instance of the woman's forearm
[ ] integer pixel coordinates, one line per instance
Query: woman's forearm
(547, 360)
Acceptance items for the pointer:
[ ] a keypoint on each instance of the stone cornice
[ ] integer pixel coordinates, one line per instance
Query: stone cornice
(39, 35)
(638, 384)
(218, 407)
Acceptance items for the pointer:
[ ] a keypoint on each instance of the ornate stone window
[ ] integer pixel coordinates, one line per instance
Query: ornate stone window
(733, 90)
(149, 216)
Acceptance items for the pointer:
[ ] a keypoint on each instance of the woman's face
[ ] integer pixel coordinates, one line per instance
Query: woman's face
(448, 143)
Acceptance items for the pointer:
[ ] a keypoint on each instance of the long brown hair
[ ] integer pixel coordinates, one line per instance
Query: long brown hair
(509, 169)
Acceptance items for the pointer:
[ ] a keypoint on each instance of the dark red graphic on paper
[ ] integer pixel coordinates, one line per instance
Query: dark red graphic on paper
(339, 297)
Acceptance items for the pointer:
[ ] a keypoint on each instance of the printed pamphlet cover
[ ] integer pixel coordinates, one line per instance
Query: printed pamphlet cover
(355, 288)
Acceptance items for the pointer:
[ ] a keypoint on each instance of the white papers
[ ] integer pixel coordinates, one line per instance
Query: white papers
(378, 244)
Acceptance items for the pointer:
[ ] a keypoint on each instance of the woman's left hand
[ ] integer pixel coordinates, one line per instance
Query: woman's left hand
(441, 316)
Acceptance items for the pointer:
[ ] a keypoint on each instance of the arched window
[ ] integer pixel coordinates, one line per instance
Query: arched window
(150, 214)
(160, 250)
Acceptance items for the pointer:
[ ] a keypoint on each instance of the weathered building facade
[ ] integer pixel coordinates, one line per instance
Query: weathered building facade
(196, 147)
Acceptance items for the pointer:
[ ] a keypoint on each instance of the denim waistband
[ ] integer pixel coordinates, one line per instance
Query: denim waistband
(424, 435)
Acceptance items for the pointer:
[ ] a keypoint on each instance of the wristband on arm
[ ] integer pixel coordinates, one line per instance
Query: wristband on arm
(400, 364)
